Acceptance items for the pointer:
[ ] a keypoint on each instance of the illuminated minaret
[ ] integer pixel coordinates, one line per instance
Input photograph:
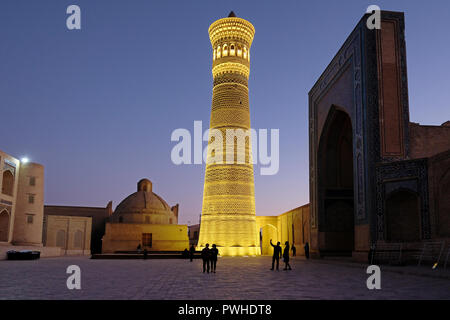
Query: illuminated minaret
(228, 213)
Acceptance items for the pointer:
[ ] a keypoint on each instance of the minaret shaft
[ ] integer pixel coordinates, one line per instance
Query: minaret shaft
(228, 212)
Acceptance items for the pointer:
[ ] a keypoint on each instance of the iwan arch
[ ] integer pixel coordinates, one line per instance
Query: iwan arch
(374, 175)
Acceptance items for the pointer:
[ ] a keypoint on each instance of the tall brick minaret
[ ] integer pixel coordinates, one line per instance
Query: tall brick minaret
(228, 213)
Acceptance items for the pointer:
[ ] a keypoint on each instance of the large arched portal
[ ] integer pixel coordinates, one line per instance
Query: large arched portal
(335, 185)
(4, 225)
(403, 216)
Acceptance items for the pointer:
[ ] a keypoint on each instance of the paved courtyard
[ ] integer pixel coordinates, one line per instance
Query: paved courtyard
(236, 278)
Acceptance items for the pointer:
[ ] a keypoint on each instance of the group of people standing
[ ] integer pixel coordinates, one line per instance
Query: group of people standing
(277, 254)
(209, 257)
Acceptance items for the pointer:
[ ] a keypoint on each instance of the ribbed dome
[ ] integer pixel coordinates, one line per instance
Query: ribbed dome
(143, 203)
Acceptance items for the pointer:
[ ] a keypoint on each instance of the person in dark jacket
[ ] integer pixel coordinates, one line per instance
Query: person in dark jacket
(286, 256)
(307, 250)
(145, 254)
(294, 250)
(213, 253)
(276, 254)
(205, 258)
(191, 252)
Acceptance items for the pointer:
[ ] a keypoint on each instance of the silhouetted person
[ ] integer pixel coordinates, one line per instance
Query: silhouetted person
(139, 248)
(371, 253)
(286, 256)
(307, 250)
(145, 254)
(185, 254)
(205, 258)
(294, 250)
(213, 253)
(191, 252)
(276, 253)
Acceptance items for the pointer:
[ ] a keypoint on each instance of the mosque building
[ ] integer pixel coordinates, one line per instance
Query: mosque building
(144, 219)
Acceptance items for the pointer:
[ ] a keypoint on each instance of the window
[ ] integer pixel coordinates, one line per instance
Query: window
(31, 198)
(232, 50)
(32, 181)
(225, 50)
(195, 234)
(30, 218)
(8, 183)
(147, 240)
(218, 52)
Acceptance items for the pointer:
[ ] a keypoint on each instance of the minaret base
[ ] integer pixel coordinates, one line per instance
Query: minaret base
(236, 251)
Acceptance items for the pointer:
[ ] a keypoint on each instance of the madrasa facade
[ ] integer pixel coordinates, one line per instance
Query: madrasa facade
(374, 175)
(144, 220)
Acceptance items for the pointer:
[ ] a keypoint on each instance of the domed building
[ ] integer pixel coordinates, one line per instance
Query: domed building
(144, 218)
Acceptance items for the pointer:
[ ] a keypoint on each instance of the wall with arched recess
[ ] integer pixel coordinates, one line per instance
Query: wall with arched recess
(403, 216)
(267, 228)
(292, 226)
(9, 180)
(439, 193)
(4, 225)
(8, 183)
(70, 233)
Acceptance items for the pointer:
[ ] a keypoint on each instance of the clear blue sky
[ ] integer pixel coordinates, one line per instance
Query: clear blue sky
(97, 106)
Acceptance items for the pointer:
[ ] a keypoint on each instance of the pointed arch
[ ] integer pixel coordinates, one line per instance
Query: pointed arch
(335, 184)
(4, 225)
(8, 183)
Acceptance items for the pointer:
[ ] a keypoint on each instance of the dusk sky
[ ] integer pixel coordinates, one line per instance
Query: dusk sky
(97, 106)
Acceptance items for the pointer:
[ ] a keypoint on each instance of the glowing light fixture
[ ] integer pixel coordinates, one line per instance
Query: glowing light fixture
(24, 160)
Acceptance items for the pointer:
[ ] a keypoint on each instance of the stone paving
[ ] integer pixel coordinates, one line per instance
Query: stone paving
(236, 278)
